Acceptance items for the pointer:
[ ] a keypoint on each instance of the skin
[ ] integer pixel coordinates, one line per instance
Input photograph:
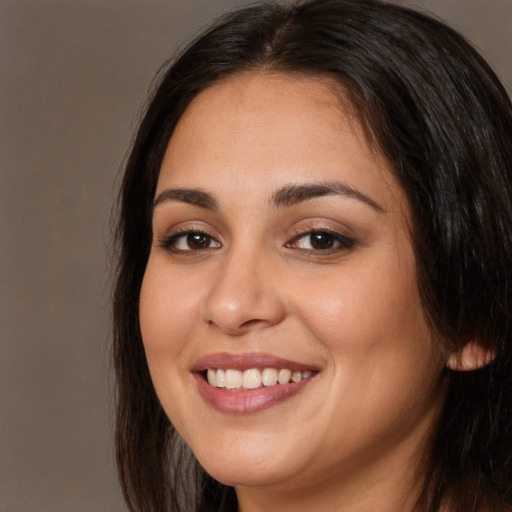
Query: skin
(355, 437)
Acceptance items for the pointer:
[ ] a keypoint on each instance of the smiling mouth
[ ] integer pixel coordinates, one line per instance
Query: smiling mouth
(254, 378)
(251, 382)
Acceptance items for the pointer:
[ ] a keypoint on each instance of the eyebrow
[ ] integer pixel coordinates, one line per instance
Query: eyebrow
(290, 195)
(193, 196)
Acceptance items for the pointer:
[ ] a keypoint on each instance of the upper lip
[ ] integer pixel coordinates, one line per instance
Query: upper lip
(244, 361)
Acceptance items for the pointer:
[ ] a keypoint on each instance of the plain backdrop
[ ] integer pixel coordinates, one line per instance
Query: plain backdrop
(73, 78)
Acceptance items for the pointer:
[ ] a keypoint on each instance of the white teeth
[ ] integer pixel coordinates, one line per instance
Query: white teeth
(254, 378)
(211, 376)
(284, 376)
(233, 379)
(269, 377)
(251, 379)
(296, 377)
(220, 379)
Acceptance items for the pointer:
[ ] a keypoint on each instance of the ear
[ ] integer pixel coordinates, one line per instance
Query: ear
(471, 356)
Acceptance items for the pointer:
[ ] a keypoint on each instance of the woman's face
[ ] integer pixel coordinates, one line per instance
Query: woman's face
(281, 243)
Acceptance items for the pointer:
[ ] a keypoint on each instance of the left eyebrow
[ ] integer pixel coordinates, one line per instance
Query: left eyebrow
(290, 195)
(193, 196)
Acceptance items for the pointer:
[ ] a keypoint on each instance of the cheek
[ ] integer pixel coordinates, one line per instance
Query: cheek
(167, 303)
(165, 314)
(385, 361)
(370, 320)
(165, 321)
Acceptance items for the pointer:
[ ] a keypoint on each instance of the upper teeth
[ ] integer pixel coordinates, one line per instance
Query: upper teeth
(254, 378)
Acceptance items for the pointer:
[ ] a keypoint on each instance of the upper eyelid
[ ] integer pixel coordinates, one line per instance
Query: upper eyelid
(166, 241)
(300, 228)
(189, 231)
(331, 232)
(319, 229)
(344, 242)
(304, 227)
(190, 226)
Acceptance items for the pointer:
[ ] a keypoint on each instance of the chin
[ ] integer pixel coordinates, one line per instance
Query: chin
(248, 467)
(239, 475)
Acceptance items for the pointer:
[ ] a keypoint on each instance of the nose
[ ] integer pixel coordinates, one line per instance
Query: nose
(243, 296)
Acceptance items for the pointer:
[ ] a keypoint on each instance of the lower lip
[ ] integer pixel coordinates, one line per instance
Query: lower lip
(245, 401)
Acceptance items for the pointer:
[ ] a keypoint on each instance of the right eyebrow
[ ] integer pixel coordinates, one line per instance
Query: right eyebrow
(193, 196)
(290, 195)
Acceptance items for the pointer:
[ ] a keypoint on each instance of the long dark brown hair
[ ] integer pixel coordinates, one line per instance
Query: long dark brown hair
(435, 109)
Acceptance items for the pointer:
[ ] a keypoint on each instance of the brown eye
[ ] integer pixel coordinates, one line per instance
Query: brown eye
(197, 241)
(189, 241)
(322, 242)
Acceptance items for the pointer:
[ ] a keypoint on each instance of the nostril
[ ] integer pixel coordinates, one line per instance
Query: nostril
(250, 323)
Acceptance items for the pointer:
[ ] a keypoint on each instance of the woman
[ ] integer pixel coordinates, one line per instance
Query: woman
(314, 290)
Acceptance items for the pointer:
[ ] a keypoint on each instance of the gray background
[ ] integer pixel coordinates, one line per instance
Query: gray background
(73, 77)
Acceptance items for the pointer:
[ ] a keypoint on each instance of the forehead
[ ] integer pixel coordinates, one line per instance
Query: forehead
(254, 100)
(273, 128)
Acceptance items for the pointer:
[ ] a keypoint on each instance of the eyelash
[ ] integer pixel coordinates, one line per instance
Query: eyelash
(169, 242)
(340, 241)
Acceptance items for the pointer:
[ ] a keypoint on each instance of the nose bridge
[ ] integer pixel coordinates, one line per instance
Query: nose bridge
(241, 297)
